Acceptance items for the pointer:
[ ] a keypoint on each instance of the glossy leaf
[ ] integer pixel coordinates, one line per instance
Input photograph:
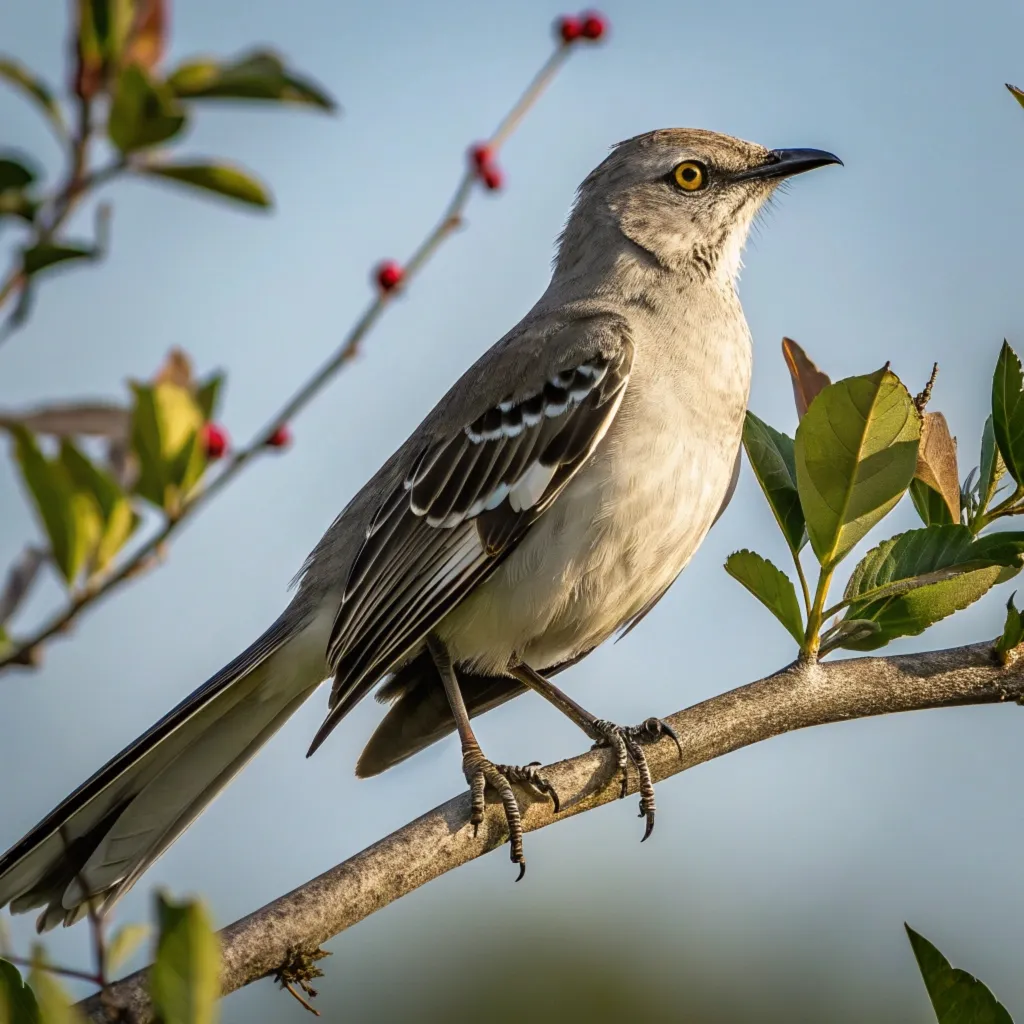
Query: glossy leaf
(911, 581)
(772, 587)
(17, 1001)
(855, 453)
(25, 80)
(143, 113)
(807, 379)
(49, 254)
(118, 519)
(772, 459)
(991, 468)
(1008, 411)
(69, 517)
(124, 943)
(957, 997)
(221, 179)
(260, 75)
(165, 427)
(185, 977)
(1013, 632)
(936, 463)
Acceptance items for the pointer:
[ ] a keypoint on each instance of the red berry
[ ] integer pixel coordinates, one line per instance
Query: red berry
(594, 25)
(569, 29)
(492, 177)
(480, 154)
(280, 438)
(389, 275)
(215, 441)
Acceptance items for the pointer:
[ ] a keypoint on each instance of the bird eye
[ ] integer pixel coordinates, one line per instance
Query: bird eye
(690, 176)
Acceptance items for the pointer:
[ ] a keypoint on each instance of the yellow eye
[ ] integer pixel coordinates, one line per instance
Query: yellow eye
(690, 176)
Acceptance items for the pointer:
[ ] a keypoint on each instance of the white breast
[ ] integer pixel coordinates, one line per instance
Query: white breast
(626, 526)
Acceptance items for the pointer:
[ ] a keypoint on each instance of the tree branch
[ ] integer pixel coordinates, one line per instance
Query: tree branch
(800, 695)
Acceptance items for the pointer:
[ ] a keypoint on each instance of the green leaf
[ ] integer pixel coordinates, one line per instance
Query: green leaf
(185, 977)
(119, 520)
(930, 505)
(1008, 411)
(260, 75)
(915, 579)
(1013, 632)
(1017, 94)
(771, 586)
(124, 943)
(70, 517)
(856, 452)
(14, 174)
(221, 179)
(166, 422)
(48, 254)
(17, 1001)
(957, 997)
(774, 464)
(34, 88)
(208, 395)
(143, 112)
(991, 468)
(54, 1005)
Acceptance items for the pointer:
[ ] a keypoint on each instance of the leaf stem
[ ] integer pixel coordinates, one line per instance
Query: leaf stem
(816, 616)
(802, 577)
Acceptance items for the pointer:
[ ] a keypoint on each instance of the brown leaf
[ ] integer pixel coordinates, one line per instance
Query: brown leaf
(176, 369)
(148, 34)
(88, 70)
(90, 419)
(20, 578)
(936, 461)
(808, 380)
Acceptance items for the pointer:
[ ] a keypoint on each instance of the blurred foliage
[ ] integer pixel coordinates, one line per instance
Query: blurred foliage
(861, 444)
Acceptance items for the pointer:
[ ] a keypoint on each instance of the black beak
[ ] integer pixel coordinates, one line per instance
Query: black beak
(783, 163)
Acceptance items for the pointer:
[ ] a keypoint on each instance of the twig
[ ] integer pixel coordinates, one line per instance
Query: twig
(799, 696)
(67, 972)
(25, 652)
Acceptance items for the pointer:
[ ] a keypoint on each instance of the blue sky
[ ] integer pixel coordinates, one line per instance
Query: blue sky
(910, 253)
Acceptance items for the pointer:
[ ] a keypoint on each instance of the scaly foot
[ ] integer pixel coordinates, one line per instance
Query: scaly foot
(625, 740)
(481, 774)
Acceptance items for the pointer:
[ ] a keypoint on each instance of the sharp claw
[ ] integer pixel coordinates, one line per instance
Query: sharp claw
(522, 870)
(650, 825)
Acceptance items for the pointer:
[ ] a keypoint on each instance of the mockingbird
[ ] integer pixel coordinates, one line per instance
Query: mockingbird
(548, 500)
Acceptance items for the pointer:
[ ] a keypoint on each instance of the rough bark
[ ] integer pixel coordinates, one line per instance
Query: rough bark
(796, 697)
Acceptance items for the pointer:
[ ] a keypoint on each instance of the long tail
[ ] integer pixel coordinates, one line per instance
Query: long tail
(97, 842)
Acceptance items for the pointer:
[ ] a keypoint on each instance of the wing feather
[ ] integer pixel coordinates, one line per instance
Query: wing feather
(463, 506)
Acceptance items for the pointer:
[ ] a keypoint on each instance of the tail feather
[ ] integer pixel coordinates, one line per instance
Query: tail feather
(98, 841)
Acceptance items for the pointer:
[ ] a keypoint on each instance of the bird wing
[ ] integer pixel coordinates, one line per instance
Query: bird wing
(468, 498)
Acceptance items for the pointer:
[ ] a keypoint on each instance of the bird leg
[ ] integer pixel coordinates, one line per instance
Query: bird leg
(480, 772)
(625, 740)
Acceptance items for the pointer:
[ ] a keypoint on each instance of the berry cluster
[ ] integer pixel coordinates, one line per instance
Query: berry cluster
(216, 442)
(589, 25)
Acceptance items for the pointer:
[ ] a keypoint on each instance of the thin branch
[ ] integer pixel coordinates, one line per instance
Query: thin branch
(67, 972)
(799, 696)
(25, 653)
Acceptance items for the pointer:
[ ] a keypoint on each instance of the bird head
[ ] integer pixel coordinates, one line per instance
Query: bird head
(686, 196)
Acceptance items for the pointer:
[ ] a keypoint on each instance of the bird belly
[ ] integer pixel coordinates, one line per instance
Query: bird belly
(612, 542)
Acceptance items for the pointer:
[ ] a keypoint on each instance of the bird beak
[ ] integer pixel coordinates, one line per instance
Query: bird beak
(784, 163)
